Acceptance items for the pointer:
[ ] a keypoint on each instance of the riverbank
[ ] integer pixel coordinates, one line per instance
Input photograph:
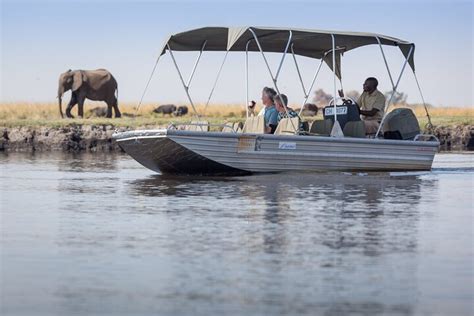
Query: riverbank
(98, 137)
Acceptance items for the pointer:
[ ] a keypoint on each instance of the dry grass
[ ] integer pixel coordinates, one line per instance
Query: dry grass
(47, 114)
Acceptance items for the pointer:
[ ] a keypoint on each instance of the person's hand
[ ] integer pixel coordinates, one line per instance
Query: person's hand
(341, 93)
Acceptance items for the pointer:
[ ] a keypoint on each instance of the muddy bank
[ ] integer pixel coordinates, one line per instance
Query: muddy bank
(93, 138)
(73, 138)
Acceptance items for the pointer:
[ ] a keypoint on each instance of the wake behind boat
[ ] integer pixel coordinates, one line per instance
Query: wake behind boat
(338, 142)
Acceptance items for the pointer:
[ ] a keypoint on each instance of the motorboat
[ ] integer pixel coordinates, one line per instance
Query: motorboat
(336, 143)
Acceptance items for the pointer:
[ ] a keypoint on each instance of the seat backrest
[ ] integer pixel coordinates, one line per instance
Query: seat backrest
(321, 127)
(228, 128)
(354, 129)
(199, 126)
(238, 127)
(254, 125)
(288, 126)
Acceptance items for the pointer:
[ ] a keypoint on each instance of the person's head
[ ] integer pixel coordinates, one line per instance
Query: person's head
(280, 102)
(268, 95)
(370, 84)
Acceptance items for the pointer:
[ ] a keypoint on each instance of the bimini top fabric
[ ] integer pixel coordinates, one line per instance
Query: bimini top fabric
(309, 43)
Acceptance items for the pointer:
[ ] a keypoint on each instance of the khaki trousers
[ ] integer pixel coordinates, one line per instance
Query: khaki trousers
(371, 127)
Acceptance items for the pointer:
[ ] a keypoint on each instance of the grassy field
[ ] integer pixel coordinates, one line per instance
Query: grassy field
(47, 114)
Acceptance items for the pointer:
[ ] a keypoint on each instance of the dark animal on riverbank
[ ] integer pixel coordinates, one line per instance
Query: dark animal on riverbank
(165, 109)
(182, 110)
(309, 109)
(96, 85)
(98, 111)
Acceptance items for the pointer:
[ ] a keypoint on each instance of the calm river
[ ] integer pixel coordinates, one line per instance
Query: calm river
(99, 234)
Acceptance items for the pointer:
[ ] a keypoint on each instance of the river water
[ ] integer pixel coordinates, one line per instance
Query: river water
(99, 234)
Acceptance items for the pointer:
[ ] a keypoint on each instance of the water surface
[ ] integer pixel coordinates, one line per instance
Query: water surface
(99, 234)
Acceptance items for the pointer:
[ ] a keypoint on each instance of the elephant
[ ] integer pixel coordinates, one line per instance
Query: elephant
(182, 110)
(165, 109)
(96, 85)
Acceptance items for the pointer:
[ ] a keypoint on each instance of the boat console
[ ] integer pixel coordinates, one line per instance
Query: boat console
(346, 112)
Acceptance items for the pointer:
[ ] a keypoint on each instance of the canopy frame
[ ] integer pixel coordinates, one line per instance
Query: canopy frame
(394, 90)
(406, 48)
(275, 78)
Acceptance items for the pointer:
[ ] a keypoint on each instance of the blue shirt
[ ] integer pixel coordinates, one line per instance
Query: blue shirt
(271, 116)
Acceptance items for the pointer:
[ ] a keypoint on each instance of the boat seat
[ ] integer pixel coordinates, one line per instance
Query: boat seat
(254, 125)
(354, 129)
(228, 128)
(238, 127)
(288, 126)
(321, 127)
(199, 126)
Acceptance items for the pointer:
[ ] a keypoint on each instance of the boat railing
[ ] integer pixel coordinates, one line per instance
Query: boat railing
(184, 126)
(425, 137)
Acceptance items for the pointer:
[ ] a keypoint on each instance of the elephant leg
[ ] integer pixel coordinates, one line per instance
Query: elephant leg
(109, 109)
(71, 104)
(116, 109)
(80, 105)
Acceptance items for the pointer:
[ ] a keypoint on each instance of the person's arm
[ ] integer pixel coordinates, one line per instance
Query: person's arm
(379, 105)
(369, 113)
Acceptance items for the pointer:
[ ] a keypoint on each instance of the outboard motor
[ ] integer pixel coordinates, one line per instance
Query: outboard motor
(400, 124)
(346, 112)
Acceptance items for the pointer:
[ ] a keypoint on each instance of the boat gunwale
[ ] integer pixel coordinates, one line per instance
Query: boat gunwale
(158, 133)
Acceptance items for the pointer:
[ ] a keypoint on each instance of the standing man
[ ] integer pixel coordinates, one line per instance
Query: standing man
(371, 105)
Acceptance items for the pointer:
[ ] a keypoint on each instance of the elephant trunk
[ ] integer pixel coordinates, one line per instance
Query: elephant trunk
(60, 96)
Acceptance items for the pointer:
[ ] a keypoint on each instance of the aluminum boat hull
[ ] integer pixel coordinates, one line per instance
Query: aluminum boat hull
(193, 152)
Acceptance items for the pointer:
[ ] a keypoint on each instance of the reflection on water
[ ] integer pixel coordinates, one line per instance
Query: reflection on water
(98, 233)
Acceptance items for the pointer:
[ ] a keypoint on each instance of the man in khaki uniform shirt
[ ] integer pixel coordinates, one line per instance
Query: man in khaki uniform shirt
(371, 104)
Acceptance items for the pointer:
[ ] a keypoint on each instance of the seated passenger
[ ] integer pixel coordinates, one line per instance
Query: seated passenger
(269, 111)
(371, 105)
(283, 111)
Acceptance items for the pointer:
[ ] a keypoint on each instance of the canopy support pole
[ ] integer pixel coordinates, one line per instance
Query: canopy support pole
(385, 61)
(311, 86)
(298, 71)
(274, 79)
(393, 92)
(313, 81)
(247, 78)
(146, 87)
(215, 82)
(336, 128)
(186, 88)
(196, 63)
(430, 126)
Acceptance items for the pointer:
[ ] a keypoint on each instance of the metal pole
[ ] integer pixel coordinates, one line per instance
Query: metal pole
(182, 81)
(385, 60)
(298, 71)
(311, 86)
(147, 84)
(393, 92)
(270, 71)
(247, 78)
(284, 54)
(215, 82)
(196, 63)
(334, 73)
(430, 126)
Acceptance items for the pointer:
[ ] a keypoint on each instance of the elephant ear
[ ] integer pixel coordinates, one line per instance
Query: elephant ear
(78, 80)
